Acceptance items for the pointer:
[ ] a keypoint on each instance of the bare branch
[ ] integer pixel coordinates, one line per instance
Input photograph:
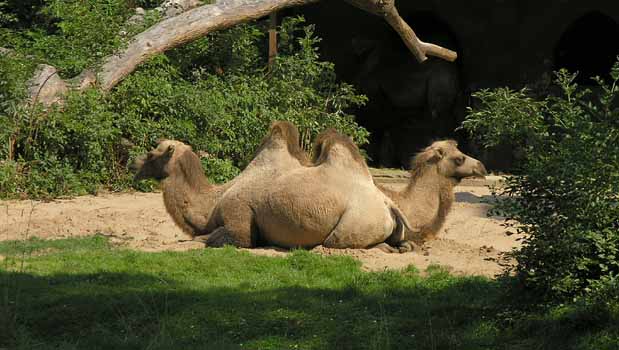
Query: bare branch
(198, 22)
(46, 87)
(184, 28)
(420, 49)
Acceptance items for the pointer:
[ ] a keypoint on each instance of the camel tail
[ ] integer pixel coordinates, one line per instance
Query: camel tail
(400, 219)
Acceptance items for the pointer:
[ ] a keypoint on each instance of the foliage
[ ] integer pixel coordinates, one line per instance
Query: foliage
(219, 105)
(70, 35)
(5, 16)
(566, 202)
(506, 115)
(97, 296)
(219, 170)
(215, 94)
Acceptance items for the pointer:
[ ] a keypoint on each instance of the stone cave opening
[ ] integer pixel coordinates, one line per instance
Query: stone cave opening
(589, 45)
(410, 104)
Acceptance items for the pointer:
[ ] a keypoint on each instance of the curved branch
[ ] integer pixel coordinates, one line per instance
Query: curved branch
(186, 27)
(200, 21)
(420, 49)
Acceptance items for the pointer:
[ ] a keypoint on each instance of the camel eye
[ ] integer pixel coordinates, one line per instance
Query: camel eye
(459, 160)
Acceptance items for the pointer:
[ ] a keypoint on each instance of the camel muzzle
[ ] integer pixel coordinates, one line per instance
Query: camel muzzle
(480, 170)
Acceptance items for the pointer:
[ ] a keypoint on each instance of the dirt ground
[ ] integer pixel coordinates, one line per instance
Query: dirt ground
(470, 242)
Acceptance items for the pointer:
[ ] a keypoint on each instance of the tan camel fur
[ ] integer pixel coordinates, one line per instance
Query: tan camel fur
(334, 203)
(188, 195)
(428, 197)
(233, 221)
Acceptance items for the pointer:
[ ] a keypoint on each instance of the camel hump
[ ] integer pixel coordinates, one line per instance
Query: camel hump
(290, 133)
(287, 132)
(326, 140)
(319, 143)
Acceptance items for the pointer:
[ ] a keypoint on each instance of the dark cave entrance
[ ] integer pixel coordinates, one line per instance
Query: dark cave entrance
(410, 104)
(582, 47)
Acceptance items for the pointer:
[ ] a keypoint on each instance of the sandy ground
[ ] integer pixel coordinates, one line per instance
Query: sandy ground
(470, 243)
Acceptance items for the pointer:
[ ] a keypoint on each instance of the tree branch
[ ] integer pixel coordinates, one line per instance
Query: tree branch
(387, 10)
(200, 21)
(184, 28)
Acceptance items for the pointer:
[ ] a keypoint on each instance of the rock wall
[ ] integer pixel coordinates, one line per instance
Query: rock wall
(499, 42)
(502, 42)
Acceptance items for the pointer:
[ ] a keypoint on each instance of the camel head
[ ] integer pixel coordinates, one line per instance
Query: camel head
(157, 164)
(450, 161)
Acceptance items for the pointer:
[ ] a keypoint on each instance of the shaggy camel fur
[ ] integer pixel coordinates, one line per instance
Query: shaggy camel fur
(233, 221)
(188, 195)
(427, 199)
(334, 203)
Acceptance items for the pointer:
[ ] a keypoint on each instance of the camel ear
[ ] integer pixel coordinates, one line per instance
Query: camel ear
(435, 155)
(170, 149)
(441, 152)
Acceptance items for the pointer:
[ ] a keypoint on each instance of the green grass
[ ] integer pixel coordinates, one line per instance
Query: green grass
(86, 294)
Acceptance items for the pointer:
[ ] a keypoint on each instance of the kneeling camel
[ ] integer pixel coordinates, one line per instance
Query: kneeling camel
(188, 195)
(429, 195)
(333, 203)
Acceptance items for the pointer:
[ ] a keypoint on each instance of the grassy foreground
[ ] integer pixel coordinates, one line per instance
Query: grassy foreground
(85, 294)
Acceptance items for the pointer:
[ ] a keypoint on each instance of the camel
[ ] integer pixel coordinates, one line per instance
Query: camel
(333, 203)
(429, 195)
(188, 195)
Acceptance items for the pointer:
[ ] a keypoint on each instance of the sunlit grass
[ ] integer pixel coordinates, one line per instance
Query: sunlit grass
(85, 294)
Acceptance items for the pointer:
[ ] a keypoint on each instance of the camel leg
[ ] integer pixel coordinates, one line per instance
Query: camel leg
(405, 246)
(238, 229)
(356, 229)
(385, 248)
(221, 237)
(201, 238)
(198, 238)
(340, 239)
(350, 232)
(400, 247)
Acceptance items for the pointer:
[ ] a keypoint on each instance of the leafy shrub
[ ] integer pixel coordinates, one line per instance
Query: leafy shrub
(215, 94)
(566, 202)
(219, 170)
(70, 35)
(223, 105)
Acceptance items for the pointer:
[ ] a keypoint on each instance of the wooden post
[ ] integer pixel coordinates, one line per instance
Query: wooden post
(272, 38)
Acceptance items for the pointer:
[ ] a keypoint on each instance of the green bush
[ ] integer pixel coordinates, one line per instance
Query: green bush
(566, 200)
(215, 94)
(224, 104)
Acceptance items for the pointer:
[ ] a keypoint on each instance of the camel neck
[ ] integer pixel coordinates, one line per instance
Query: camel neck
(434, 192)
(187, 181)
(190, 170)
(423, 177)
(185, 189)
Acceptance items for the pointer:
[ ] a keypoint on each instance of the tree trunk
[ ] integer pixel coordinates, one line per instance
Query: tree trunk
(272, 39)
